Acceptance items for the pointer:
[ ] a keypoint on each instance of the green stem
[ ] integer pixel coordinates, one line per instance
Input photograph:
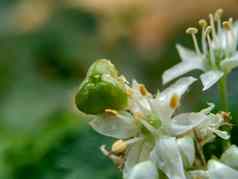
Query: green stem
(223, 93)
(224, 101)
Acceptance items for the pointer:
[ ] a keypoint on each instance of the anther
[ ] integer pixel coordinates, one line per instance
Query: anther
(192, 30)
(174, 101)
(119, 147)
(226, 116)
(227, 25)
(111, 112)
(218, 14)
(143, 90)
(202, 23)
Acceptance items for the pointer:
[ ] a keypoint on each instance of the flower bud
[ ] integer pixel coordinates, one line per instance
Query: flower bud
(101, 67)
(119, 147)
(101, 90)
(230, 157)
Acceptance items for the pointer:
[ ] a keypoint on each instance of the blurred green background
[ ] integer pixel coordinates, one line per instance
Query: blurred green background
(46, 47)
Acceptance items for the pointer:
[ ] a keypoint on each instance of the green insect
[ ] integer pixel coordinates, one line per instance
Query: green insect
(101, 89)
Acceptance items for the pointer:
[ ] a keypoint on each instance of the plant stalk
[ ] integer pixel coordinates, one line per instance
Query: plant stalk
(223, 93)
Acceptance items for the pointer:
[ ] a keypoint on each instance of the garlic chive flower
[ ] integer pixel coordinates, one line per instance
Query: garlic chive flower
(226, 167)
(148, 132)
(218, 55)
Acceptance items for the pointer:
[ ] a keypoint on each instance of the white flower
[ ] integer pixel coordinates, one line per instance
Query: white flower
(230, 157)
(149, 128)
(223, 169)
(206, 130)
(218, 56)
(144, 170)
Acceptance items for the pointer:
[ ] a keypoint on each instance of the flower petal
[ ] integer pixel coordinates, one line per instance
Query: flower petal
(210, 78)
(198, 174)
(187, 54)
(144, 170)
(137, 152)
(187, 150)
(176, 89)
(230, 157)
(230, 64)
(218, 170)
(184, 122)
(167, 157)
(222, 134)
(113, 126)
(180, 69)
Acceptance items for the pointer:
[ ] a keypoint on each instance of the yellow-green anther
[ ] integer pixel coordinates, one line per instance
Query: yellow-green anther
(218, 14)
(191, 30)
(102, 89)
(227, 25)
(202, 23)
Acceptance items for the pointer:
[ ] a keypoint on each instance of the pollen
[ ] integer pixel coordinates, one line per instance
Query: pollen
(174, 101)
(143, 90)
(119, 147)
(111, 112)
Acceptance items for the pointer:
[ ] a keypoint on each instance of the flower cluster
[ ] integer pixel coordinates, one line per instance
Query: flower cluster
(152, 140)
(218, 56)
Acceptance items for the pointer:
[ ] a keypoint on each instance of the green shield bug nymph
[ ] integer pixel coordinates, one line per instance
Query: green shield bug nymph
(102, 89)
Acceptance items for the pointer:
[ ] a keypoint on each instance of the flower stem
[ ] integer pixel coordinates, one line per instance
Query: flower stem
(224, 104)
(199, 149)
(223, 93)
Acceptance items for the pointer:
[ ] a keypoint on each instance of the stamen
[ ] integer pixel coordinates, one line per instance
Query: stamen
(218, 15)
(226, 116)
(227, 25)
(119, 147)
(143, 90)
(111, 112)
(211, 17)
(174, 101)
(230, 36)
(212, 56)
(192, 31)
(203, 24)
